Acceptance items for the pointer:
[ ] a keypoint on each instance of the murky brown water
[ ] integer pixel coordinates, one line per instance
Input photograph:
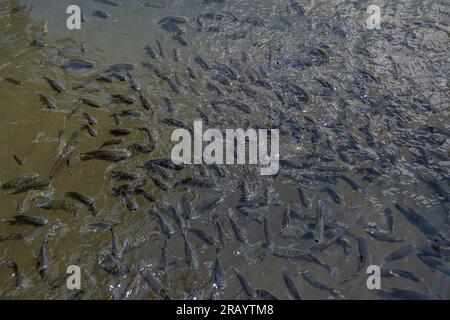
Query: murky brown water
(376, 110)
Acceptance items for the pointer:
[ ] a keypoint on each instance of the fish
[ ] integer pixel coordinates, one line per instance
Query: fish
(31, 220)
(336, 198)
(245, 284)
(161, 52)
(146, 103)
(59, 205)
(398, 254)
(180, 40)
(56, 85)
(91, 120)
(135, 85)
(401, 294)
(31, 185)
(363, 252)
(17, 274)
(265, 295)
(112, 142)
(49, 102)
(100, 14)
(114, 155)
(239, 232)
(149, 51)
(202, 235)
(91, 103)
(13, 81)
(92, 132)
(20, 180)
(86, 200)
(120, 98)
(130, 203)
(295, 254)
(320, 223)
(176, 56)
(20, 161)
(164, 224)
(202, 63)
(290, 284)
(268, 234)
(220, 279)
(434, 264)
(155, 285)
(188, 206)
(418, 221)
(77, 64)
(11, 237)
(115, 250)
(313, 282)
(306, 202)
(389, 219)
(120, 132)
(190, 253)
(380, 235)
(109, 2)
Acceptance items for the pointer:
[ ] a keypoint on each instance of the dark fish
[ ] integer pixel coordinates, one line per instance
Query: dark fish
(380, 235)
(20, 181)
(13, 81)
(202, 235)
(268, 234)
(398, 254)
(56, 85)
(109, 2)
(363, 252)
(91, 103)
(190, 252)
(160, 184)
(100, 14)
(313, 282)
(180, 40)
(20, 161)
(77, 64)
(43, 261)
(192, 73)
(164, 224)
(32, 220)
(239, 232)
(389, 219)
(11, 237)
(290, 285)
(306, 202)
(130, 203)
(17, 274)
(420, 222)
(86, 200)
(245, 284)
(336, 198)
(115, 250)
(266, 295)
(120, 132)
(202, 63)
(49, 102)
(120, 98)
(121, 67)
(123, 176)
(160, 49)
(31, 185)
(401, 294)
(92, 132)
(155, 285)
(320, 223)
(176, 56)
(146, 103)
(135, 85)
(112, 142)
(220, 279)
(434, 264)
(174, 19)
(114, 155)
(150, 52)
(91, 120)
